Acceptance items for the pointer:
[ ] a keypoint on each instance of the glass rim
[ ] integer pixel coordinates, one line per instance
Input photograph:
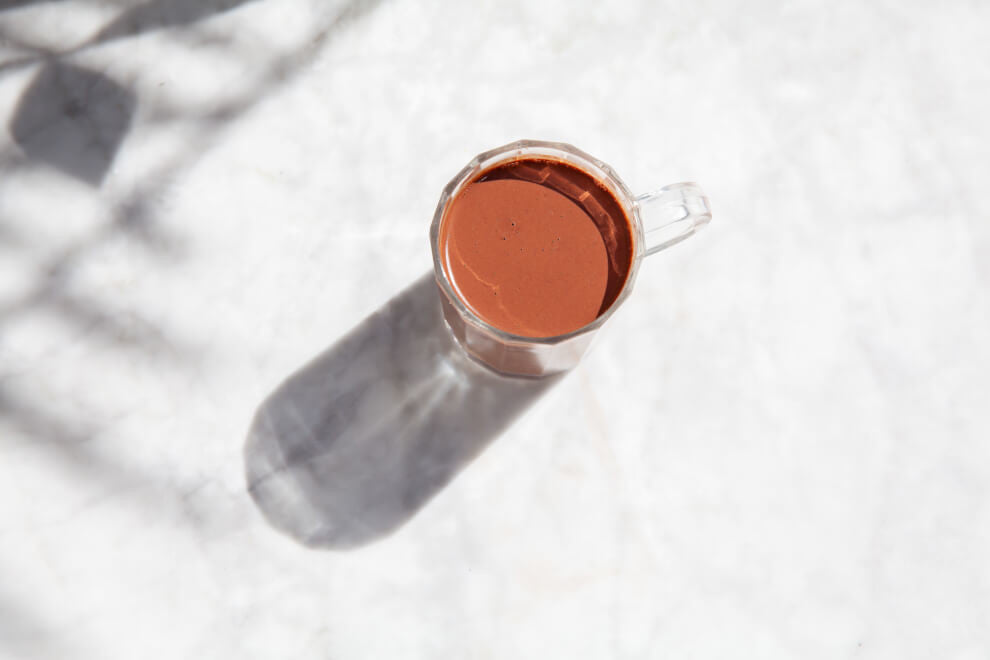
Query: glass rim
(520, 150)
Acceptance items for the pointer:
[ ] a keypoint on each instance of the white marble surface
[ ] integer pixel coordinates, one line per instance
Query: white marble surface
(780, 447)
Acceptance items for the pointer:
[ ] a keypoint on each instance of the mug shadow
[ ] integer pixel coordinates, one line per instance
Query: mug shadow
(353, 444)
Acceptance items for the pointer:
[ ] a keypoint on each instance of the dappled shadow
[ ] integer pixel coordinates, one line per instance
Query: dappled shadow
(15, 4)
(159, 15)
(352, 445)
(26, 634)
(39, 423)
(73, 119)
(162, 14)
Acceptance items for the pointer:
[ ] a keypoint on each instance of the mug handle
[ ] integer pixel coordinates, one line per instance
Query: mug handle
(671, 214)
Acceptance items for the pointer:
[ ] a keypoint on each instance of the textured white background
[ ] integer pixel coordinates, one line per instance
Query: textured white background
(780, 447)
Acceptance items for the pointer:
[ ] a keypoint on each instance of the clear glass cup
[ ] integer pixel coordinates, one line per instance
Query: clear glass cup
(660, 219)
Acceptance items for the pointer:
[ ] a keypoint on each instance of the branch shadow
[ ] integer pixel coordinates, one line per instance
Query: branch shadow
(16, 4)
(355, 443)
(162, 14)
(74, 119)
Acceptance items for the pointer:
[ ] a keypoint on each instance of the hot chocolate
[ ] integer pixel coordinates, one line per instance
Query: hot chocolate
(536, 247)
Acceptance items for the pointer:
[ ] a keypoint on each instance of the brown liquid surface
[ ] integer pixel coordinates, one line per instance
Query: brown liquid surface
(536, 247)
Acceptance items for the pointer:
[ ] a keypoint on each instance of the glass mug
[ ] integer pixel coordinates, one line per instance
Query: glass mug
(659, 219)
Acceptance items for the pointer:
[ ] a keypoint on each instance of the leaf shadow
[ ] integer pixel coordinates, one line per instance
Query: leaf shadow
(73, 119)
